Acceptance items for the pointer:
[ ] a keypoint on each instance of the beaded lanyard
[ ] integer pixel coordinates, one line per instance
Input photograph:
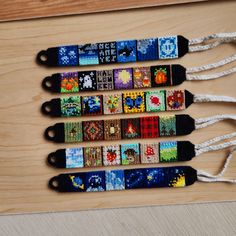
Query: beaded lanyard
(129, 50)
(132, 128)
(127, 102)
(131, 78)
(109, 180)
(135, 153)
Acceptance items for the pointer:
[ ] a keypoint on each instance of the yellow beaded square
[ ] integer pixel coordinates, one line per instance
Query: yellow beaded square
(133, 102)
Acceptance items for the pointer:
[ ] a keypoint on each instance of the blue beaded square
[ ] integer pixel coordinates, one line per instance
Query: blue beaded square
(95, 181)
(126, 51)
(168, 47)
(115, 180)
(135, 178)
(88, 54)
(157, 177)
(68, 56)
(74, 157)
(76, 182)
(147, 49)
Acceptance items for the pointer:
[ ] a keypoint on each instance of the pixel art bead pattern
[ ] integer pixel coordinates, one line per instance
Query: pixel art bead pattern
(105, 80)
(95, 181)
(93, 130)
(88, 54)
(69, 82)
(113, 104)
(126, 51)
(71, 106)
(175, 100)
(160, 75)
(115, 180)
(130, 154)
(87, 81)
(112, 129)
(92, 156)
(168, 47)
(135, 178)
(167, 125)
(77, 182)
(147, 49)
(149, 153)
(73, 132)
(130, 128)
(134, 102)
(74, 158)
(68, 56)
(149, 127)
(142, 77)
(123, 78)
(155, 101)
(168, 151)
(92, 105)
(111, 155)
(107, 53)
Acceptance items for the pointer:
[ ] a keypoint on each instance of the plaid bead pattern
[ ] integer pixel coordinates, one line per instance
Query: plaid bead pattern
(149, 127)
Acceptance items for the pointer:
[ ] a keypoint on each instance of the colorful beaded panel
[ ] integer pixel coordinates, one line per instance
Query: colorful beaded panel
(117, 79)
(109, 180)
(127, 102)
(142, 127)
(119, 51)
(124, 154)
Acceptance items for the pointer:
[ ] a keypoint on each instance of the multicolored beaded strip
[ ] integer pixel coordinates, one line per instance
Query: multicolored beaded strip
(124, 154)
(127, 102)
(116, 79)
(115, 52)
(168, 47)
(131, 128)
(97, 181)
(109, 180)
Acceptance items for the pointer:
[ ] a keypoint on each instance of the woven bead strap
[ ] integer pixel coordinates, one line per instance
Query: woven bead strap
(97, 181)
(127, 103)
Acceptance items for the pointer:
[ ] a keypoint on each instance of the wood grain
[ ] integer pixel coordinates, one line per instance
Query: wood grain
(23, 171)
(27, 9)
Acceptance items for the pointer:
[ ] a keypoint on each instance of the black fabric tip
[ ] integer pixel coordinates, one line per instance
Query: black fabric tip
(52, 83)
(190, 175)
(52, 108)
(185, 124)
(182, 45)
(188, 98)
(178, 74)
(185, 151)
(57, 159)
(47, 57)
(55, 133)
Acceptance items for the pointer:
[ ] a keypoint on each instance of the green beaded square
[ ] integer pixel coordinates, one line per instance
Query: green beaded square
(73, 132)
(71, 106)
(167, 125)
(155, 101)
(168, 151)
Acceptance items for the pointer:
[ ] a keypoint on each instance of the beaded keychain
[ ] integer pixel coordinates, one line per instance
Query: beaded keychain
(130, 128)
(132, 78)
(135, 153)
(157, 177)
(169, 47)
(126, 103)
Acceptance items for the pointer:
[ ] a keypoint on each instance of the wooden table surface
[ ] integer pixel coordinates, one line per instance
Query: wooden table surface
(23, 172)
